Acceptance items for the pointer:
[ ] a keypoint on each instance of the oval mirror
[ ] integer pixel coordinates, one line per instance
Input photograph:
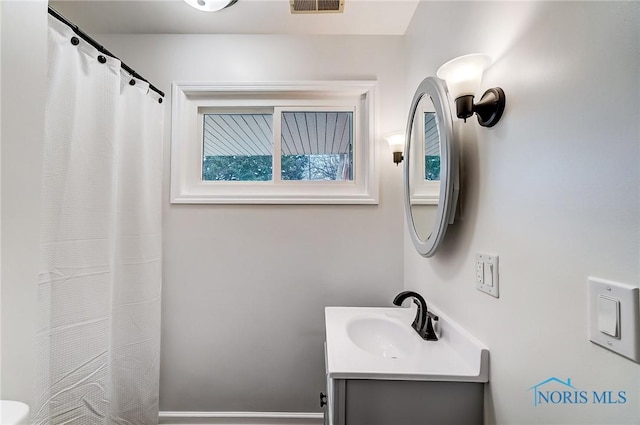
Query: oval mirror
(430, 167)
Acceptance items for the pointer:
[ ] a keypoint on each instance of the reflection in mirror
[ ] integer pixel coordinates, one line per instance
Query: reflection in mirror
(424, 179)
(430, 167)
(431, 147)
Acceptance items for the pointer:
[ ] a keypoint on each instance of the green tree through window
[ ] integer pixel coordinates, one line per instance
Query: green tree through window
(432, 168)
(237, 168)
(252, 168)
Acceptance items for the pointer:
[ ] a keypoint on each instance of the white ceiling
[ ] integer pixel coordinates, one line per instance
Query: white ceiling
(360, 17)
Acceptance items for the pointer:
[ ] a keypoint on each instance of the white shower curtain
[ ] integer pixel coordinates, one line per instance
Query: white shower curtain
(100, 254)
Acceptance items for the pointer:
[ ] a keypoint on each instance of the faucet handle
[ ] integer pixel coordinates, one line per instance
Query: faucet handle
(429, 331)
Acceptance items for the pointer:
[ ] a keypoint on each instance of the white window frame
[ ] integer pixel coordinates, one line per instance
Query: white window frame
(191, 100)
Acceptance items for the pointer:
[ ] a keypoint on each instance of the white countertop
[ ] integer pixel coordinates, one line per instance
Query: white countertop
(456, 356)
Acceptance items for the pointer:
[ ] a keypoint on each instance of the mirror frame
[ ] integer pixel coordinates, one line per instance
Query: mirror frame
(448, 195)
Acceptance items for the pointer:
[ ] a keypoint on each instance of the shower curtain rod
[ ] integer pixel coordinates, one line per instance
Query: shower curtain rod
(101, 48)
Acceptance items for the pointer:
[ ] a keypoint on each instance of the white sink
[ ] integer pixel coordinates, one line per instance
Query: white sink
(382, 336)
(379, 343)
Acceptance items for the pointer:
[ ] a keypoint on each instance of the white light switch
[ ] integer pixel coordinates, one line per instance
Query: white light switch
(608, 315)
(487, 274)
(614, 316)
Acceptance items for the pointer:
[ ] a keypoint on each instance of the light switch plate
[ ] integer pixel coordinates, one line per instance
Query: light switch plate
(487, 274)
(627, 343)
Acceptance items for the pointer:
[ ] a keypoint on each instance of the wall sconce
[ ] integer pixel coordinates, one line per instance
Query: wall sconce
(396, 143)
(210, 5)
(463, 75)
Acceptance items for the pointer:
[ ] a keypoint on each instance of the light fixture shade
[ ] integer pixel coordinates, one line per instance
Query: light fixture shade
(210, 5)
(463, 74)
(396, 141)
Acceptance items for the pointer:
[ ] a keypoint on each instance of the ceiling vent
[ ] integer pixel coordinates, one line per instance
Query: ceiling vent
(317, 6)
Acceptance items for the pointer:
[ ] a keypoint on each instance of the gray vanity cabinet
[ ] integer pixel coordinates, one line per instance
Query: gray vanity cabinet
(380, 373)
(390, 402)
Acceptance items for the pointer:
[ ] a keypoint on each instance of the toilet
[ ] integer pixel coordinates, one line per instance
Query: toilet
(13, 413)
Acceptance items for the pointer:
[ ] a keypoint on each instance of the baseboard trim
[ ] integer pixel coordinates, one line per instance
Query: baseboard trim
(240, 418)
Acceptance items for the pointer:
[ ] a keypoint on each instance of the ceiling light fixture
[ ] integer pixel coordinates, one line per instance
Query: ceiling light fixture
(210, 5)
(463, 75)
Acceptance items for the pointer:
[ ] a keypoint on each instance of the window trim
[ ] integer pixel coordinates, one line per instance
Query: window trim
(189, 100)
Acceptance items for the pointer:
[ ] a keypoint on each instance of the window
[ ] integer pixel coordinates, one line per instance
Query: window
(237, 147)
(431, 147)
(274, 143)
(426, 157)
(317, 145)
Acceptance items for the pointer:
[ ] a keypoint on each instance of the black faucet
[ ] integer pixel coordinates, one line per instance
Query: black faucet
(423, 322)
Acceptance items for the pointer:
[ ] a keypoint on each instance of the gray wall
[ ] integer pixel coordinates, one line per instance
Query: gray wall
(24, 61)
(245, 286)
(553, 189)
